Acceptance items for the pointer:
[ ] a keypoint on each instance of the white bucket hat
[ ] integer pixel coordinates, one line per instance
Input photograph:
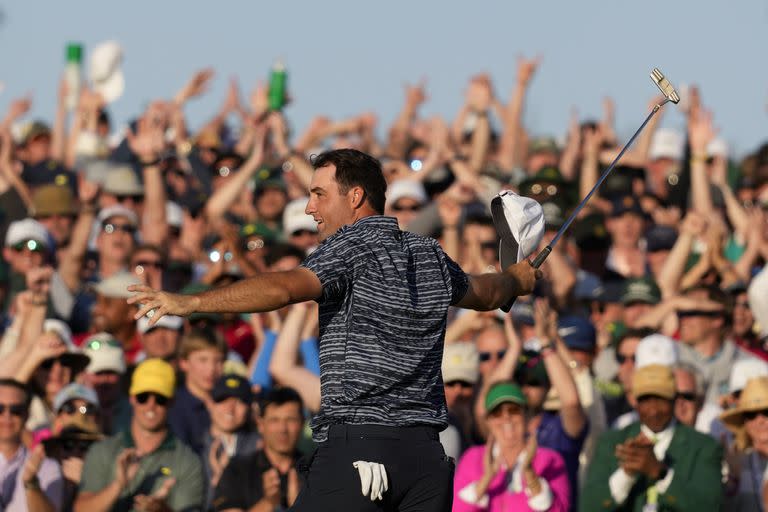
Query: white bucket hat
(519, 223)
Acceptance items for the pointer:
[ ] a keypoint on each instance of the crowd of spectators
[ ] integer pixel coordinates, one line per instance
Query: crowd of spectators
(634, 377)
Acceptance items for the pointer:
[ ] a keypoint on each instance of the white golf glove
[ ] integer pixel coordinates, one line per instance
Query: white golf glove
(373, 479)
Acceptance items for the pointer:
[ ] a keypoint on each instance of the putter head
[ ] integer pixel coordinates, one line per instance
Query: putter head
(664, 86)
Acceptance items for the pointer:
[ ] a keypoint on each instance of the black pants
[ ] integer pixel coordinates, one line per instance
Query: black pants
(420, 475)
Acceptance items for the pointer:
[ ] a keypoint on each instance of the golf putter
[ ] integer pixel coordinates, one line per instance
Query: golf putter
(670, 95)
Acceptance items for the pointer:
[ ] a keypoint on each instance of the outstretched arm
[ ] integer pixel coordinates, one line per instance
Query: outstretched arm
(263, 292)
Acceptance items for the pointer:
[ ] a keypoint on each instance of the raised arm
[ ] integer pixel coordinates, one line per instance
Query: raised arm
(571, 411)
(284, 367)
(263, 292)
(494, 290)
(415, 96)
(510, 154)
(59, 130)
(673, 268)
(146, 145)
(71, 258)
(700, 133)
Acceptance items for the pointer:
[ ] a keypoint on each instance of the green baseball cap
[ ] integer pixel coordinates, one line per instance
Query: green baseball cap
(643, 290)
(502, 393)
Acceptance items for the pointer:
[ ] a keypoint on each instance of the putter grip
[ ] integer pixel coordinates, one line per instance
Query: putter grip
(536, 263)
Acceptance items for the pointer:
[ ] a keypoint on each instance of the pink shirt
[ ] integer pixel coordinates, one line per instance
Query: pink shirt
(548, 464)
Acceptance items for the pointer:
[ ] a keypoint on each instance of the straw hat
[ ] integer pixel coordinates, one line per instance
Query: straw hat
(754, 397)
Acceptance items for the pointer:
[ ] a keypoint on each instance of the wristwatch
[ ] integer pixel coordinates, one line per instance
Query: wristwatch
(33, 483)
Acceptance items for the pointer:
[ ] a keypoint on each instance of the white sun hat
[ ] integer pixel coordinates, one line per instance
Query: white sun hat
(105, 71)
(519, 223)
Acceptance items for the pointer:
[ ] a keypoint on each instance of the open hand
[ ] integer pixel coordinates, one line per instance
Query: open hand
(163, 303)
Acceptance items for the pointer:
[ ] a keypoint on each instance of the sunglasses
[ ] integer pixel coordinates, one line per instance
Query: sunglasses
(123, 198)
(489, 246)
(750, 415)
(537, 188)
(698, 312)
(125, 228)
(400, 208)
(254, 244)
(688, 396)
(302, 232)
(160, 400)
(460, 383)
(486, 356)
(32, 245)
(85, 410)
(14, 409)
(99, 344)
(621, 359)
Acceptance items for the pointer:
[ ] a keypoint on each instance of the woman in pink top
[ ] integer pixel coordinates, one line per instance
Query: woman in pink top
(508, 473)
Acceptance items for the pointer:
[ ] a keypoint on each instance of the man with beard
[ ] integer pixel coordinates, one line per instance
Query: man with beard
(144, 467)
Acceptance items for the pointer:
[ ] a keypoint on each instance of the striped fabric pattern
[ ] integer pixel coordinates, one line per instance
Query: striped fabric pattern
(383, 312)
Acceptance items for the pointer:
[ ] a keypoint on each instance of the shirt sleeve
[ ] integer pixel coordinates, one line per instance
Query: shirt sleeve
(543, 500)
(336, 262)
(188, 493)
(459, 280)
(97, 469)
(620, 483)
(51, 482)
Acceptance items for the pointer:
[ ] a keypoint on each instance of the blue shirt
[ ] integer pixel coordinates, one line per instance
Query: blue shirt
(189, 419)
(552, 435)
(383, 314)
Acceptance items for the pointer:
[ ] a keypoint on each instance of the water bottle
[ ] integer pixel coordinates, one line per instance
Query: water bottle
(278, 86)
(72, 74)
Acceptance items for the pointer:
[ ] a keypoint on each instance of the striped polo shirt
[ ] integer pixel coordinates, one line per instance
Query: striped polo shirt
(383, 312)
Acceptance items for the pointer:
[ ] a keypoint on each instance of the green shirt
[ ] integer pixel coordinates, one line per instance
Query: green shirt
(171, 459)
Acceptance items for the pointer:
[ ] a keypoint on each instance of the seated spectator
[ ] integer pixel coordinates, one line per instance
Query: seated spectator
(232, 433)
(29, 481)
(748, 421)
(655, 461)
(460, 376)
(104, 374)
(145, 466)
(201, 360)
(68, 447)
(510, 473)
(267, 479)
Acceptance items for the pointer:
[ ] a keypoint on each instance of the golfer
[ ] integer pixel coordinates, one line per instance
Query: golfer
(384, 296)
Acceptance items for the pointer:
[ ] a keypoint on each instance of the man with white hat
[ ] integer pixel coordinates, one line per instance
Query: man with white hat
(28, 245)
(116, 238)
(122, 186)
(665, 154)
(160, 340)
(405, 198)
(299, 229)
(103, 374)
(461, 372)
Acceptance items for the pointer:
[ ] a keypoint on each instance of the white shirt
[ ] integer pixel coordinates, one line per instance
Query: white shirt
(621, 482)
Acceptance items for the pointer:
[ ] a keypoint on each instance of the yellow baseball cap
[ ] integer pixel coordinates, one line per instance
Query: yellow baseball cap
(155, 376)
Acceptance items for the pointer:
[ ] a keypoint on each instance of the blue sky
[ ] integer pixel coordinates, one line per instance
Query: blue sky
(345, 57)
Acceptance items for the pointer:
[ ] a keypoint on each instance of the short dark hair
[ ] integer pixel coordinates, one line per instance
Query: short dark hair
(278, 397)
(356, 169)
(282, 250)
(12, 383)
(633, 332)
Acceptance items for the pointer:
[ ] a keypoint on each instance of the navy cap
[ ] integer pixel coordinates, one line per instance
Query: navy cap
(588, 286)
(229, 386)
(660, 238)
(577, 332)
(626, 204)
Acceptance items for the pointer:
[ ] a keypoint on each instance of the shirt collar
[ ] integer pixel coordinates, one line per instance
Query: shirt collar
(169, 442)
(662, 438)
(379, 221)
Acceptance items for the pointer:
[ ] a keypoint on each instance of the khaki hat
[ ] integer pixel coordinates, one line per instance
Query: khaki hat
(53, 200)
(754, 397)
(654, 379)
(121, 180)
(461, 362)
